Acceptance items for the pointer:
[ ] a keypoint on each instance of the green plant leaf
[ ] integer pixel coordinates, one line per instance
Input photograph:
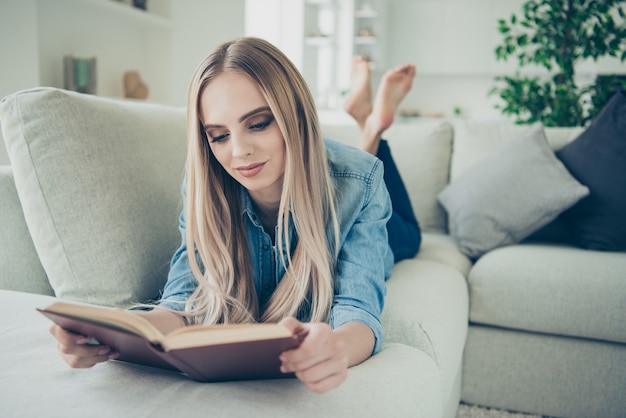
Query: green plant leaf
(556, 35)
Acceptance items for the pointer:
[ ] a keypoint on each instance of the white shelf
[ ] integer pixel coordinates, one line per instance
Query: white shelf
(319, 2)
(319, 40)
(365, 14)
(365, 40)
(127, 11)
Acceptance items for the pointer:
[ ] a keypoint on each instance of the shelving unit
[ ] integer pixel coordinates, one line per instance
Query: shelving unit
(335, 31)
(367, 29)
(319, 62)
(321, 37)
(120, 37)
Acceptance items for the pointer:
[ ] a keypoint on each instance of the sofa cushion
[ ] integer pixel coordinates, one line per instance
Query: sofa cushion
(99, 183)
(407, 382)
(422, 153)
(20, 268)
(551, 289)
(509, 195)
(597, 158)
(442, 248)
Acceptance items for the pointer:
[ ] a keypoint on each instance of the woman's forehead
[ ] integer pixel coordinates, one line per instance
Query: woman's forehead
(230, 93)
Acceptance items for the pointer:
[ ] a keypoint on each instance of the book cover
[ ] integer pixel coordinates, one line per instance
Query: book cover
(204, 353)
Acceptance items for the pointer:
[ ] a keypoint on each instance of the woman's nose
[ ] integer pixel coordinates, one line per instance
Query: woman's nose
(242, 146)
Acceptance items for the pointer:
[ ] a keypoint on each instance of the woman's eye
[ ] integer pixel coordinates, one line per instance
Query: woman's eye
(259, 126)
(218, 138)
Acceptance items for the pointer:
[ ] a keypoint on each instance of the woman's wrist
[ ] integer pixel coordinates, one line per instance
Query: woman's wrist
(358, 339)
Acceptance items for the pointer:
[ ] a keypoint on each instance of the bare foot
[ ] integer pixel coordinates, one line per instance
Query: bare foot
(358, 104)
(394, 85)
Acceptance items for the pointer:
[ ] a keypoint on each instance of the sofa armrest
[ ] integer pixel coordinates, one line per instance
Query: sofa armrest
(20, 268)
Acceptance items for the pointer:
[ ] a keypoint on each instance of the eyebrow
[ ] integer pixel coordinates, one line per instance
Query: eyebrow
(244, 117)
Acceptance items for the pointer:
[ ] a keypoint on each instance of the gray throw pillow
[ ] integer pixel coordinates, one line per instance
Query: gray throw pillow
(511, 194)
(99, 183)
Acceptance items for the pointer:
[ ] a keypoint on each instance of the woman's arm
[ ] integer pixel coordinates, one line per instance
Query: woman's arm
(321, 362)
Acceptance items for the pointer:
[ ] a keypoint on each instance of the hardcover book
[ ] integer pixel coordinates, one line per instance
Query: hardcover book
(206, 353)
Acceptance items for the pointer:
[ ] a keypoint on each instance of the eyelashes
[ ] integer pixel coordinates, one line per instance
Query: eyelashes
(262, 125)
(216, 136)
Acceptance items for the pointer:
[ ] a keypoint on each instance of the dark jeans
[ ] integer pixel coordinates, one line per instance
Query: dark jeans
(403, 229)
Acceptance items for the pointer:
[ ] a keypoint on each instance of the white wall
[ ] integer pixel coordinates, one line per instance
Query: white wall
(18, 49)
(198, 26)
(452, 44)
(36, 34)
(450, 41)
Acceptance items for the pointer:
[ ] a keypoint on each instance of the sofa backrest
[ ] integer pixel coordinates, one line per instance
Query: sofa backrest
(422, 154)
(475, 140)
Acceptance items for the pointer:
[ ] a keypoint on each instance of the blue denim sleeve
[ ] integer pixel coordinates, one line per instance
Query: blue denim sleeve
(180, 280)
(365, 261)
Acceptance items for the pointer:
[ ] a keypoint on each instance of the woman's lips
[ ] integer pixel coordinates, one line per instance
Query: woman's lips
(251, 170)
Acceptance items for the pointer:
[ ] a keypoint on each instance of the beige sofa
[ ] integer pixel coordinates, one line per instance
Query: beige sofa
(89, 212)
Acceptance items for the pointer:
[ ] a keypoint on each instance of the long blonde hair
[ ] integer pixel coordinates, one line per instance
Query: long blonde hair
(214, 223)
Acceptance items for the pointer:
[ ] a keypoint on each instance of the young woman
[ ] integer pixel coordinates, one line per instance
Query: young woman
(285, 227)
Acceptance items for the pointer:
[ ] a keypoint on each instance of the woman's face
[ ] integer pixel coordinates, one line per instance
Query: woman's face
(243, 135)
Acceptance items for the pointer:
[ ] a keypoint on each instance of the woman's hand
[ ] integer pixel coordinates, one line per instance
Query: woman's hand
(321, 362)
(78, 351)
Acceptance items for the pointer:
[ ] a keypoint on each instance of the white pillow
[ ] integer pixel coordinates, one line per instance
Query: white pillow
(99, 182)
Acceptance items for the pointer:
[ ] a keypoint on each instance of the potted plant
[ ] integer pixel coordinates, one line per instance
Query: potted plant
(557, 35)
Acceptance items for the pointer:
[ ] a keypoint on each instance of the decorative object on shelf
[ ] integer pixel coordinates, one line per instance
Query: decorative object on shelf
(140, 4)
(79, 74)
(134, 87)
(557, 36)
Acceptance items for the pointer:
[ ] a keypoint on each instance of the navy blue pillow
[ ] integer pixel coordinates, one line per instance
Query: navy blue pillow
(597, 159)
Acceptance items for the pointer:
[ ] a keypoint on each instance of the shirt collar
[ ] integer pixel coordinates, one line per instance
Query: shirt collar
(247, 208)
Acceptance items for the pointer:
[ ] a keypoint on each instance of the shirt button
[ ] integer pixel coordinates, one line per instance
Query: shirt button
(266, 287)
(265, 247)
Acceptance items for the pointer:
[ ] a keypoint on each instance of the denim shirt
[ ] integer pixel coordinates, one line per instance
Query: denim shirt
(364, 259)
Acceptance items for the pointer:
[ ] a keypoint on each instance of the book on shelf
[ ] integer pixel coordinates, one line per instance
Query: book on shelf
(206, 353)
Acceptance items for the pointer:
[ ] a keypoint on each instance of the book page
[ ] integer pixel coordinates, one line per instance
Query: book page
(202, 335)
(111, 317)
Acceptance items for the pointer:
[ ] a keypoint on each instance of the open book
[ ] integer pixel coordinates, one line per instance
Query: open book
(206, 353)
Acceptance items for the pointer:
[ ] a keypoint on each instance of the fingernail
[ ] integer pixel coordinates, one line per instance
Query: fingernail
(103, 351)
(82, 341)
(114, 355)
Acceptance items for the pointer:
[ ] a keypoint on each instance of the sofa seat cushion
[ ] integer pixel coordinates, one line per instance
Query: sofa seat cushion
(551, 289)
(400, 378)
(422, 154)
(20, 268)
(442, 248)
(99, 183)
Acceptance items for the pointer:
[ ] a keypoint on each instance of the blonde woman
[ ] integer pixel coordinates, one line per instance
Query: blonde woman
(285, 226)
